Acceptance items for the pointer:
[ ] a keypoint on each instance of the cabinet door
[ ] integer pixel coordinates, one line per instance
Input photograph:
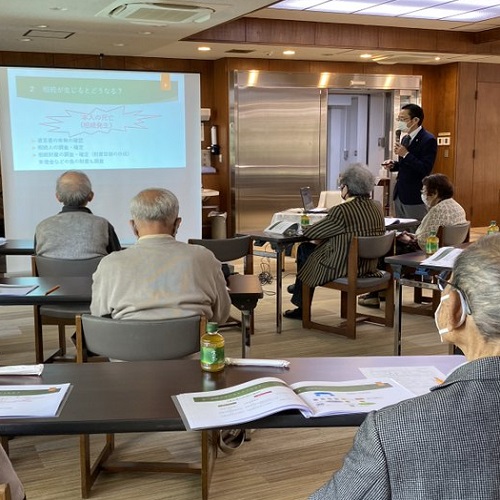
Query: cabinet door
(486, 175)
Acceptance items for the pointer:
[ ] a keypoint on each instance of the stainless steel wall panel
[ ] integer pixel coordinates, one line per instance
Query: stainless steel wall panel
(278, 134)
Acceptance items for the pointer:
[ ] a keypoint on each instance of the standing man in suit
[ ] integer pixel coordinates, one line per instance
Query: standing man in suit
(416, 155)
(444, 444)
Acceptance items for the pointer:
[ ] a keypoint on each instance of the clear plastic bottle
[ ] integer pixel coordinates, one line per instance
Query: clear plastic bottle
(432, 243)
(492, 228)
(212, 357)
(304, 220)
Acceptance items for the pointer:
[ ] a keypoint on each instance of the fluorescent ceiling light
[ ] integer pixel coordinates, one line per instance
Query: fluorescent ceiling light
(343, 6)
(296, 4)
(449, 10)
(475, 17)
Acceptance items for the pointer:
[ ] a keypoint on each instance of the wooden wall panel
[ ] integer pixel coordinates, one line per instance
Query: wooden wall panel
(281, 32)
(488, 73)
(465, 131)
(407, 39)
(486, 174)
(439, 102)
(299, 33)
(346, 35)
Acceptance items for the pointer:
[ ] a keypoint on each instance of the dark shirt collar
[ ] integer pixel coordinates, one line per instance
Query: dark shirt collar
(75, 209)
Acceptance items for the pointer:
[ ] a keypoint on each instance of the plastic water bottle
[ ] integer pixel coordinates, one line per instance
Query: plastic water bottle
(492, 228)
(432, 243)
(212, 356)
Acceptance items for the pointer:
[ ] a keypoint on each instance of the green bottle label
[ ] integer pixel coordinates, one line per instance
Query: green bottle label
(212, 355)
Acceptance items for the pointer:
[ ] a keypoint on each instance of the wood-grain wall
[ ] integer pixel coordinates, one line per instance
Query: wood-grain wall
(448, 98)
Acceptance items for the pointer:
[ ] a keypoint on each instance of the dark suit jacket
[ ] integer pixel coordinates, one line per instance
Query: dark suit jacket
(443, 445)
(414, 167)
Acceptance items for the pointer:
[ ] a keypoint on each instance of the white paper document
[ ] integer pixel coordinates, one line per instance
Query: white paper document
(31, 401)
(22, 370)
(16, 289)
(417, 379)
(444, 258)
(268, 395)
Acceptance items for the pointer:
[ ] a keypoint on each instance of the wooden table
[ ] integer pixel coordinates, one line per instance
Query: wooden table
(101, 396)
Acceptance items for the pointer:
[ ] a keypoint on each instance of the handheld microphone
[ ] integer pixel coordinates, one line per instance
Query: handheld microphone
(398, 136)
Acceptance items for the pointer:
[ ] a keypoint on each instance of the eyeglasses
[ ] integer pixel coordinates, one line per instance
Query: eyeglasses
(442, 283)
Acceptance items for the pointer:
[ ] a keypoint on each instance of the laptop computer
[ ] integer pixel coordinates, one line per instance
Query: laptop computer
(308, 204)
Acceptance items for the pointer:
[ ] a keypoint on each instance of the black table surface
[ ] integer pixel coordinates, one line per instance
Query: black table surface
(79, 289)
(136, 396)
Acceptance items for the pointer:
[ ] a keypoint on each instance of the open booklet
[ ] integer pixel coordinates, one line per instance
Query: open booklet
(268, 395)
(444, 258)
(25, 401)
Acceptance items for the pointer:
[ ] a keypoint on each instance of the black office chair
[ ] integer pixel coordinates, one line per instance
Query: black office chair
(228, 250)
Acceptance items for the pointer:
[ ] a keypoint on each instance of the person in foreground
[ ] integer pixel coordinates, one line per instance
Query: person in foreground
(325, 259)
(437, 195)
(416, 156)
(159, 277)
(8, 475)
(445, 444)
(75, 232)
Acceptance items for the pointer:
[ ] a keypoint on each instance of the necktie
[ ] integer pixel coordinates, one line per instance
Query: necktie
(405, 141)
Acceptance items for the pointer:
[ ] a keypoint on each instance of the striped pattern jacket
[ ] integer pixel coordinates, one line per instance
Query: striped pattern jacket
(357, 217)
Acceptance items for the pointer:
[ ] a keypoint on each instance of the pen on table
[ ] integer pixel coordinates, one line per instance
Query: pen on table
(53, 289)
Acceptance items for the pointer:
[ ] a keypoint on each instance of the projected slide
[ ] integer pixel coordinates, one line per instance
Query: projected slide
(89, 120)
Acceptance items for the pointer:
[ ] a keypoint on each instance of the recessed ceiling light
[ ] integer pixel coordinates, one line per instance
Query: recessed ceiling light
(365, 56)
(145, 32)
(42, 26)
(204, 49)
(119, 44)
(437, 58)
(289, 52)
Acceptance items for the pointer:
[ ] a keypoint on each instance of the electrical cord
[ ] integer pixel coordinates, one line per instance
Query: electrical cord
(265, 276)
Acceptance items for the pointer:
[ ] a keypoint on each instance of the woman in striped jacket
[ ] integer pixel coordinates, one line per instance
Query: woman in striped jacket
(324, 258)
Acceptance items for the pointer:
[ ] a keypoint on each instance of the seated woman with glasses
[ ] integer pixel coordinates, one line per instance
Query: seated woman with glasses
(444, 444)
(437, 194)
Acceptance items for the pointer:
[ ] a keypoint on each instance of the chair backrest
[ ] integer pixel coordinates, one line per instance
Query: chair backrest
(373, 247)
(328, 199)
(48, 266)
(453, 235)
(139, 340)
(226, 249)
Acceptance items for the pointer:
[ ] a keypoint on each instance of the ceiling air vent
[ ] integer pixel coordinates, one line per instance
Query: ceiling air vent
(159, 14)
